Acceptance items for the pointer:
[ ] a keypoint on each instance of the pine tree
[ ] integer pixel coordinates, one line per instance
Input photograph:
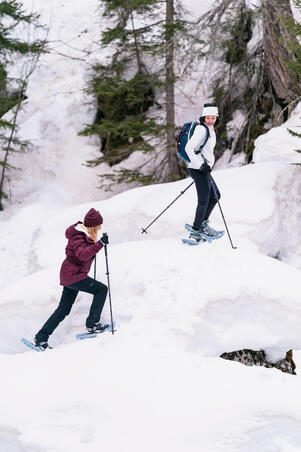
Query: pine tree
(128, 87)
(11, 47)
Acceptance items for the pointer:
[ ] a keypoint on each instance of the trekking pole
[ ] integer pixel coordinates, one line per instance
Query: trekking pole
(216, 197)
(95, 267)
(182, 192)
(109, 287)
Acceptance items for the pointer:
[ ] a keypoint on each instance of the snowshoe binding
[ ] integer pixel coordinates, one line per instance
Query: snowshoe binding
(195, 238)
(206, 232)
(37, 346)
(96, 330)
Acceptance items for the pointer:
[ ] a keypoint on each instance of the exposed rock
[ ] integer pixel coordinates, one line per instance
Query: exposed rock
(259, 358)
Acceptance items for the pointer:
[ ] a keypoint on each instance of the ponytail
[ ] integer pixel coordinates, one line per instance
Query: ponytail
(93, 232)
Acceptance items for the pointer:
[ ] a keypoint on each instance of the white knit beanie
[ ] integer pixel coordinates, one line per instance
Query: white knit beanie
(209, 109)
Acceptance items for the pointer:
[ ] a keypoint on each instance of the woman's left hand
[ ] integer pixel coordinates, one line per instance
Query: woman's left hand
(104, 239)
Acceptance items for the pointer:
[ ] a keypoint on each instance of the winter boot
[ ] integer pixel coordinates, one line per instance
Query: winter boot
(206, 229)
(196, 236)
(42, 344)
(97, 328)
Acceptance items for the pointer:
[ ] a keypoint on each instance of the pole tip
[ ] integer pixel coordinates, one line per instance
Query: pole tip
(143, 230)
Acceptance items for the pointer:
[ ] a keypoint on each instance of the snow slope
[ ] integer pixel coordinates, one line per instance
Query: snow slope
(114, 394)
(261, 202)
(158, 383)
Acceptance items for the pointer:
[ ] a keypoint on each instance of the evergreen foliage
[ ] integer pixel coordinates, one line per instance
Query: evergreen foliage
(295, 134)
(246, 82)
(142, 68)
(12, 91)
(294, 27)
(238, 31)
(231, 88)
(121, 121)
(127, 88)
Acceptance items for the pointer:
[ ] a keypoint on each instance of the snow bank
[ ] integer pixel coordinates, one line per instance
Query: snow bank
(154, 274)
(211, 298)
(278, 144)
(260, 202)
(124, 392)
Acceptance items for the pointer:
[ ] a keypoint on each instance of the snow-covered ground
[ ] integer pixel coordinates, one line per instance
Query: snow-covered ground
(158, 384)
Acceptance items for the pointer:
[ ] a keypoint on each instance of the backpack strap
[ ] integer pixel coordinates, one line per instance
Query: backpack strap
(205, 141)
(191, 129)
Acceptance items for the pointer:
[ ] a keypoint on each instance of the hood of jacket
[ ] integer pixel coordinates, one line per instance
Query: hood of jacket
(75, 229)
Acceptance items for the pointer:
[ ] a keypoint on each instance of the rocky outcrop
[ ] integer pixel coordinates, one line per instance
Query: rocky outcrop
(259, 358)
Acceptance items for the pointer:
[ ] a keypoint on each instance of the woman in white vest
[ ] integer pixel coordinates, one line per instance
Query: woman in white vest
(199, 167)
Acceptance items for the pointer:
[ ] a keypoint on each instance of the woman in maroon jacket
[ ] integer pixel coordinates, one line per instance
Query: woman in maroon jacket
(80, 251)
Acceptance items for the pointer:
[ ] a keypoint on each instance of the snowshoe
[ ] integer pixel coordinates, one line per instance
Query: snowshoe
(195, 238)
(37, 346)
(96, 330)
(211, 232)
(209, 235)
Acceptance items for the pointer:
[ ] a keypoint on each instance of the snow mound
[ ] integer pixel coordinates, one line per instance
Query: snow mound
(210, 297)
(260, 202)
(278, 144)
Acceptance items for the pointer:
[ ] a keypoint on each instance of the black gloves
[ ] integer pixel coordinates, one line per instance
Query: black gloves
(104, 239)
(205, 168)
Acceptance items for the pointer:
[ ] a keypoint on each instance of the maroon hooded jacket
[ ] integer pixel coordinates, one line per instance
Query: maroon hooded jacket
(80, 252)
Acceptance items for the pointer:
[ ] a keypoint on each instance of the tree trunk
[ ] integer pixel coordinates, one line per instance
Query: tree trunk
(174, 172)
(139, 65)
(276, 36)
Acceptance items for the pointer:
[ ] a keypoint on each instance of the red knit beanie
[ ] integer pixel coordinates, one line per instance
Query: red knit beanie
(93, 218)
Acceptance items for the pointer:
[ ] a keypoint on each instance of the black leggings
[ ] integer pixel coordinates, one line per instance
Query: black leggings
(206, 197)
(68, 297)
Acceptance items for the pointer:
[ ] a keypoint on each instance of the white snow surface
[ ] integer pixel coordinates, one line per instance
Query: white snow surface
(58, 107)
(278, 143)
(158, 383)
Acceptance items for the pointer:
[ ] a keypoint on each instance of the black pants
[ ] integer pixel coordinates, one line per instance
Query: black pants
(206, 197)
(68, 297)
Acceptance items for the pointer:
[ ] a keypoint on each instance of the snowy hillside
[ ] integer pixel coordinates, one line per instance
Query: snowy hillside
(158, 383)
